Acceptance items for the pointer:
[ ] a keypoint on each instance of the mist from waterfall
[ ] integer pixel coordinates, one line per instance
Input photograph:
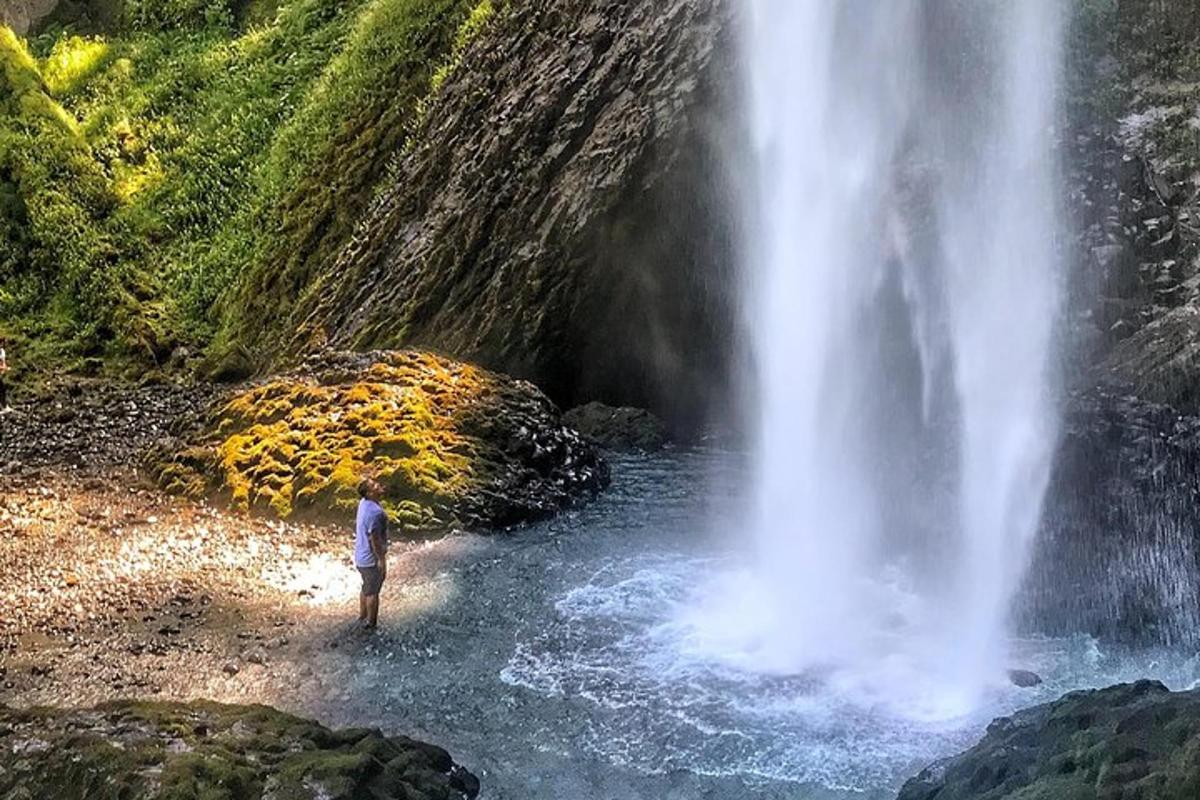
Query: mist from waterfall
(903, 292)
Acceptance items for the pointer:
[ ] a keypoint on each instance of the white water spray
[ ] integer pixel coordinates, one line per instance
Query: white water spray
(904, 291)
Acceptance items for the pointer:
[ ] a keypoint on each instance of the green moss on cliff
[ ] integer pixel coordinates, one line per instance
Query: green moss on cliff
(325, 163)
(147, 170)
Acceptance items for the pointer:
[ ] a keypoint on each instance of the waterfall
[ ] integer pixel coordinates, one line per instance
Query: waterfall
(903, 291)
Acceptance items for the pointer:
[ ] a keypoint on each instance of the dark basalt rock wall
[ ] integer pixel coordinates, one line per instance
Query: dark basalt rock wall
(1134, 150)
(564, 214)
(1119, 554)
(1130, 741)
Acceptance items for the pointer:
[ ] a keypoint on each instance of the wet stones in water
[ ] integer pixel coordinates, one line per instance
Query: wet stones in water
(206, 750)
(1024, 678)
(1131, 740)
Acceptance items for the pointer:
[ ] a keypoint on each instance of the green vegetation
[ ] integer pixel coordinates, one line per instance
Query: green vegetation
(178, 172)
(295, 444)
(208, 751)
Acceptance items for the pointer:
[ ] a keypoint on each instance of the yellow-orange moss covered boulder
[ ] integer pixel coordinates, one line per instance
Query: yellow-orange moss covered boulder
(453, 444)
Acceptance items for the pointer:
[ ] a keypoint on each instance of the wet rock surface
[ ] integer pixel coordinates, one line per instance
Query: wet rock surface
(1119, 552)
(215, 752)
(1133, 90)
(452, 444)
(1132, 740)
(620, 429)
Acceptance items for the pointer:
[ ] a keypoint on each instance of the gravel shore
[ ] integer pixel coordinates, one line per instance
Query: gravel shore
(110, 589)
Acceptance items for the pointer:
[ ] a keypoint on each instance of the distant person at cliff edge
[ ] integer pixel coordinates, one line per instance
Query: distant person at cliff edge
(4, 407)
(370, 550)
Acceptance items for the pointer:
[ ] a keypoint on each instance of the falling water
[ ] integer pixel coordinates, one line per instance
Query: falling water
(903, 299)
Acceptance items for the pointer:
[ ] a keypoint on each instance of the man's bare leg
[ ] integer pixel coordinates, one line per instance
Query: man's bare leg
(362, 608)
(372, 611)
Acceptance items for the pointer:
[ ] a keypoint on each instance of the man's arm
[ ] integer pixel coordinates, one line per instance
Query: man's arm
(379, 548)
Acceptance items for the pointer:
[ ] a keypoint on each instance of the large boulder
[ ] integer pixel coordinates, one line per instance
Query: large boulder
(453, 444)
(210, 751)
(1134, 740)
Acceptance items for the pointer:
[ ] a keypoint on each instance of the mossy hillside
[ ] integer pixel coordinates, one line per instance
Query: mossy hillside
(451, 443)
(42, 147)
(158, 162)
(362, 112)
(208, 751)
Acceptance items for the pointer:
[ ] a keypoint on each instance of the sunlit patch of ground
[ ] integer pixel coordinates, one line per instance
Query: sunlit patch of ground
(108, 591)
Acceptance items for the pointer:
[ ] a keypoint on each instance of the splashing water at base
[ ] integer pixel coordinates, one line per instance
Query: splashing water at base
(569, 660)
(903, 294)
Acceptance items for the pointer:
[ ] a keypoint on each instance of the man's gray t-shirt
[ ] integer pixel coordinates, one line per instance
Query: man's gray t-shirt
(372, 519)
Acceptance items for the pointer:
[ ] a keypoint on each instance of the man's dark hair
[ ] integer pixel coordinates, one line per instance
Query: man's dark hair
(364, 487)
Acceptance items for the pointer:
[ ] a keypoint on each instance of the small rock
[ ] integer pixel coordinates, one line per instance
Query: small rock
(1024, 678)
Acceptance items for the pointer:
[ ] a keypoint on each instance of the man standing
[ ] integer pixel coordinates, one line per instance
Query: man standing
(370, 550)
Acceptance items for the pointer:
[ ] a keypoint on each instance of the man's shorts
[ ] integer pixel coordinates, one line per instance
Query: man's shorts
(372, 580)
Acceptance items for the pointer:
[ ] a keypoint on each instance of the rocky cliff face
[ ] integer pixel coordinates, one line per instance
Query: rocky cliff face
(563, 214)
(1136, 182)
(1119, 554)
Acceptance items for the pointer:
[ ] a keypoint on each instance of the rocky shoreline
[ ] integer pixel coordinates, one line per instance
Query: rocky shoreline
(209, 750)
(1130, 741)
(112, 589)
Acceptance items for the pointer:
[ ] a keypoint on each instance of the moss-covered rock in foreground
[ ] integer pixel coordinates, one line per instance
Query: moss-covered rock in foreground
(215, 752)
(453, 444)
(1129, 741)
